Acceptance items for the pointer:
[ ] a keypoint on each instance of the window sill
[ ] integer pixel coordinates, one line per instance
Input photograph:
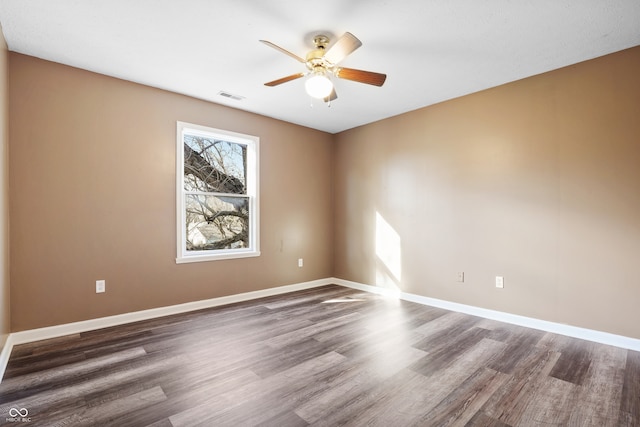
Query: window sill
(217, 257)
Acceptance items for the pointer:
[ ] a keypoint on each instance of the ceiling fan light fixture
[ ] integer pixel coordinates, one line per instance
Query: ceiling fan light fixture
(318, 86)
(322, 62)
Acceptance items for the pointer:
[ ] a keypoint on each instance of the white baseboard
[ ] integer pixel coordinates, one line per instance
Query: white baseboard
(4, 354)
(32, 335)
(136, 316)
(529, 322)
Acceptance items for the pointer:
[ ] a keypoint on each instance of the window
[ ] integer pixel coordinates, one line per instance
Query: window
(217, 194)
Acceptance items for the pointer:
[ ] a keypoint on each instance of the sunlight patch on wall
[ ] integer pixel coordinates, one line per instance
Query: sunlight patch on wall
(388, 255)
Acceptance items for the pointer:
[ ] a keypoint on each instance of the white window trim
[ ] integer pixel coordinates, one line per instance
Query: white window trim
(253, 174)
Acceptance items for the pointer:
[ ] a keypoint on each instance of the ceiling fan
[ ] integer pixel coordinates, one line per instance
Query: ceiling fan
(322, 63)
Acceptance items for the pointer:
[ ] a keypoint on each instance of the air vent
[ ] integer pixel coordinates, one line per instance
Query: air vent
(231, 96)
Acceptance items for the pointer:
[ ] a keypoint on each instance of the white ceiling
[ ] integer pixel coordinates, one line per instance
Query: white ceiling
(431, 50)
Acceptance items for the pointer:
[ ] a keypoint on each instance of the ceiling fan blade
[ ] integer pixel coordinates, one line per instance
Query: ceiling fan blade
(332, 96)
(285, 79)
(368, 77)
(343, 47)
(285, 51)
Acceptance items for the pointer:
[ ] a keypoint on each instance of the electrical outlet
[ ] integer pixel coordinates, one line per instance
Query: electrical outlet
(499, 282)
(100, 286)
(460, 277)
(300, 262)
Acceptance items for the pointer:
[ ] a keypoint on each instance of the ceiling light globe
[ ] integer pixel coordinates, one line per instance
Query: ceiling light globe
(318, 86)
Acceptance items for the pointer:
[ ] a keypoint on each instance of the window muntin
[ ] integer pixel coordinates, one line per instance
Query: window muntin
(217, 194)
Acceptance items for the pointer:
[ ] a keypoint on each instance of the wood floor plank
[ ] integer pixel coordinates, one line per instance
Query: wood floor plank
(406, 403)
(288, 419)
(509, 403)
(480, 419)
(355, 338)
(37, 364)
(322, 357)
(255, 398)
(600, 396)
(574, 361)
(107, 413)
(520, 342)
(630, 406)
(17, 387)
(343, 395)
(43, 346)
(300, 334)
(373, 402)
(446, 326)
(460, 406)
(442, 355)
(165, 422)
(185, 393)
(448, 379)
(549, 403)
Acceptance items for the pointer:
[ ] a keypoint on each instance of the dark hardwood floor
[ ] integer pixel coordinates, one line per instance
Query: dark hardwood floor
(327, 356)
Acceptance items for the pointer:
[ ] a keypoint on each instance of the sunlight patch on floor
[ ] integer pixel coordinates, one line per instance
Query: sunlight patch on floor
(342, 300)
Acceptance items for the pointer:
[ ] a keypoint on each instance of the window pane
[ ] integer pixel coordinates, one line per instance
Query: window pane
(216, 222)
(214, 166)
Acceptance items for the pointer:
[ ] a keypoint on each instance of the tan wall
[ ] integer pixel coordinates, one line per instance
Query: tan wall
(92, 187)
(537, 181)
(5, 311)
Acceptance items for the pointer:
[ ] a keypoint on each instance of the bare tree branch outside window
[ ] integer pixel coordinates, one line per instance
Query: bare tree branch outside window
(216, 201)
